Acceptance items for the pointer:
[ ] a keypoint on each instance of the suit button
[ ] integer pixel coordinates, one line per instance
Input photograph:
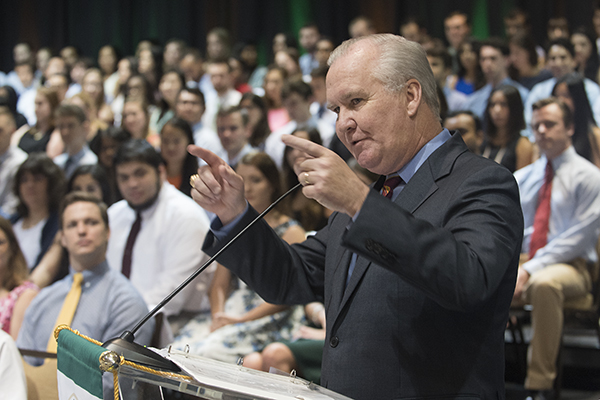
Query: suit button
(334, 341)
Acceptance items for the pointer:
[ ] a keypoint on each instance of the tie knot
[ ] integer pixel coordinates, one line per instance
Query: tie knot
(389, 185)
(77, 278)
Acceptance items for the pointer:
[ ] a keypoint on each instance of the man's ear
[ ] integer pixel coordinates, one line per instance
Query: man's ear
(413, 96)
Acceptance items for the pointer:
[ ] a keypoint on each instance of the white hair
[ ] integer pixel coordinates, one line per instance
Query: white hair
(399, 61)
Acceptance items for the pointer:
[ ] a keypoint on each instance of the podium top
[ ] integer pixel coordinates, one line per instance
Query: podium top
(213, 379)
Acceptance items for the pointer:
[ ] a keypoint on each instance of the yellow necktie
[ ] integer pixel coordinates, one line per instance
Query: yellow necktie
(68, 309)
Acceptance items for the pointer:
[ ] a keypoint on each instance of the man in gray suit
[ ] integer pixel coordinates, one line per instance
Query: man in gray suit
(417, 289)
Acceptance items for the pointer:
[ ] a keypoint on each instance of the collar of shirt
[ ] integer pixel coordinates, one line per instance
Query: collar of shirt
(77, 157)
(92, 274)
(411, 168)
(563, 158)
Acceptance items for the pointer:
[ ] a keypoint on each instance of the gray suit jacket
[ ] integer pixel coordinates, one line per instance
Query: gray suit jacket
(424, 313)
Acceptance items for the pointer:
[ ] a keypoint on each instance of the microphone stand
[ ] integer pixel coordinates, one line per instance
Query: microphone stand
(125, 345)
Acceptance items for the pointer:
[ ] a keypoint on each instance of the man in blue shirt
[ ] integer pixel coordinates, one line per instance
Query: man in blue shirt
(109, 304)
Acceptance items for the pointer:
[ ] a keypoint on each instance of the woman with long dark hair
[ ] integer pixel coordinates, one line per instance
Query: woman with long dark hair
(504, 121)
(175, 136)
(257, 119)
(586, 137)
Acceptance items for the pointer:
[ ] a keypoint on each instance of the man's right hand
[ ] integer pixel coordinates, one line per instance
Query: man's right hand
(218, 188)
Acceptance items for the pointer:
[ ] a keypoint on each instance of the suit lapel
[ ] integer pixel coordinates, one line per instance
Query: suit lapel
(421, 186)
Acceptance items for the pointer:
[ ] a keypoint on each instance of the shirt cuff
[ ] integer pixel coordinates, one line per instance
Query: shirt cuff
(221, 231)
(532, 266)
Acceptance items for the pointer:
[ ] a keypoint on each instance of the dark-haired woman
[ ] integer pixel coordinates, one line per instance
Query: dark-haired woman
(504, 121)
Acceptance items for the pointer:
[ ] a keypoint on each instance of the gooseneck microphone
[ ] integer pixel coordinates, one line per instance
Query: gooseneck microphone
(125, 346)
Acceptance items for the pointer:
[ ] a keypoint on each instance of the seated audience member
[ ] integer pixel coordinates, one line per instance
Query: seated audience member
(288, 60)
(308, 38)
(73, 126)
(37, 137)
(224, 95)
(302, 354)
(239, 74)
(502, 140)
(13, 384)
(105, 146)
(241, 322)
(296, 95)
(108, 62)
(469, 126)
(311, 215)
(256, 107)
(469, 77)
(560, 61)
(234, 132)
(11, 157)
(586, 135)
(524, 59)
(60, 83)
(39, 185)
(318, 108)
(586, 53)
(457, 29)
(173, 53)
(136, 121)
(440, 62)
(323, 50)
(192, 68)
(16, 291)
(90, 179)
(361, 26)
(125, 69)
(190, 106)
(169, 87)
(248, 54)
(108, 303)
(175, 137)
(494, 61)
(273, 84)
(85, 102)
(154, 231)
(559, 247)
(412, 28)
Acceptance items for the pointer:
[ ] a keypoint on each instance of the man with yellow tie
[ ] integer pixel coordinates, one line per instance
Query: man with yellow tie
(94, 299)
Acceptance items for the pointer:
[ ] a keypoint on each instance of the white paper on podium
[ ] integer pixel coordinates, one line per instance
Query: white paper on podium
(228, 377)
